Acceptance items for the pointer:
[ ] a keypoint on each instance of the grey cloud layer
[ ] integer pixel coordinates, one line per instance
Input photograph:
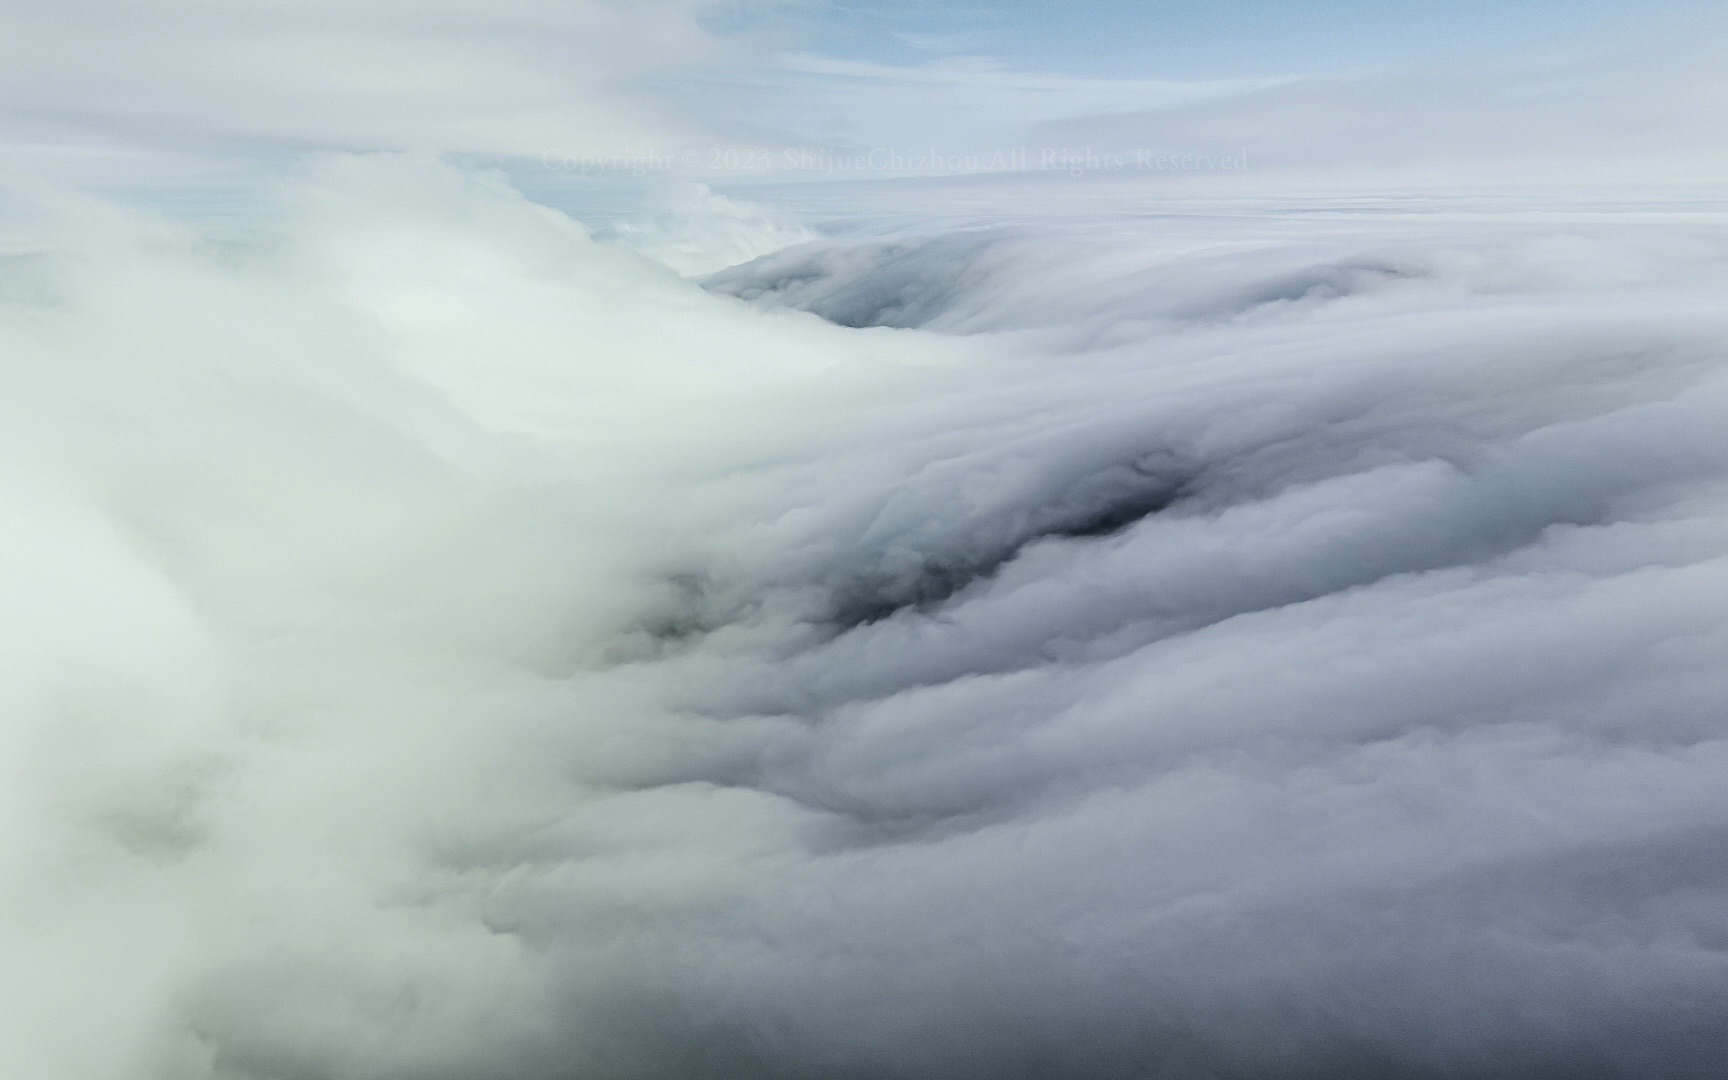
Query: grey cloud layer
(1381, 739)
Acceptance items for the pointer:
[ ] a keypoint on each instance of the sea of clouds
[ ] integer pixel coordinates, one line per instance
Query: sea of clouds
(442, 644)
(1118, 627)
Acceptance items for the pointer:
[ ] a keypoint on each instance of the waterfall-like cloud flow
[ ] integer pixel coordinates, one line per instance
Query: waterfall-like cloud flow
(442, 644)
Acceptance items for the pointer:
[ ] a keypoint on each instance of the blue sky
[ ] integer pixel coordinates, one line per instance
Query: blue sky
(1189, 39)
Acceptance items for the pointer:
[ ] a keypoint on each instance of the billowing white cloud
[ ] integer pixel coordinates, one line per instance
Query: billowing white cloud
(310, 525)
(691, 229)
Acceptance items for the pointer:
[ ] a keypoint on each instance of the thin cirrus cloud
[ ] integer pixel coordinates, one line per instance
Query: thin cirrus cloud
(181, 83)
(954, 104)
(1637, 115)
